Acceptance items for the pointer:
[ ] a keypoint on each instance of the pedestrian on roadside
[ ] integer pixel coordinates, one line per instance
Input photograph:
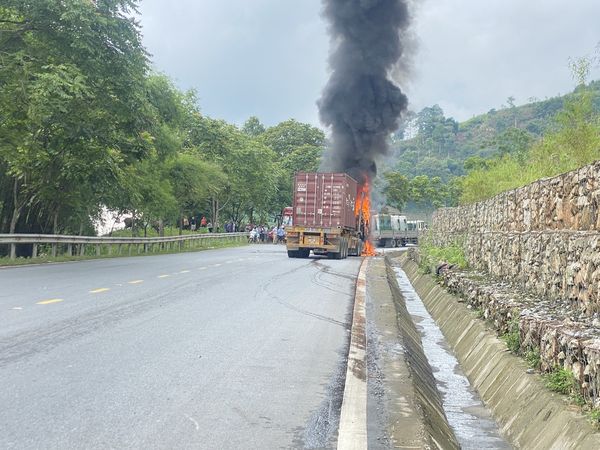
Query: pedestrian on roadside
(280, 234)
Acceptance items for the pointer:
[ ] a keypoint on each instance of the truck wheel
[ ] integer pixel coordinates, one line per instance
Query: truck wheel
(335, 255)
(359, 248)
(292, 253)
(393, 243)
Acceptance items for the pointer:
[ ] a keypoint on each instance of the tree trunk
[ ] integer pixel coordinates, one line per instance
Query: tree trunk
(161, 228)
(16, 208)
(181, 223)
(15, 218)
(55, 223)
(215, 213)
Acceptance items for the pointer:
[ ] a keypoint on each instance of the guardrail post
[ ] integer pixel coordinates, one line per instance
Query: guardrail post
(13, 251)
(54, 248)
(98, 250)
(110, 249)
(70, 249)
(129, 249)
(81, 249)
(119, 248)
(34, 251)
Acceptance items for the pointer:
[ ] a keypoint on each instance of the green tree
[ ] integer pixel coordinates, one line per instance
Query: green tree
(253, 127)
(74, 110)
(287, 136)
(396, 190)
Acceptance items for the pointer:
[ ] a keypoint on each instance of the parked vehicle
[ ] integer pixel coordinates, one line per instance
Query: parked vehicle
(393, 230)
(326, 216)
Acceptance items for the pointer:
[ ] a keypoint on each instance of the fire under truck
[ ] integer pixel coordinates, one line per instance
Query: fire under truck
(327, 216)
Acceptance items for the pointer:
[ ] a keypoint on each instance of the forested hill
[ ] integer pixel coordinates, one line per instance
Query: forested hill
(439, 146)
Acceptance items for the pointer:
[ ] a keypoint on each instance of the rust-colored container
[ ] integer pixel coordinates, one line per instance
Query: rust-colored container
(324, 200)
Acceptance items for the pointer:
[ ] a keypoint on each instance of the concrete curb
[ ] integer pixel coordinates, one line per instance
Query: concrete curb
(352, 433)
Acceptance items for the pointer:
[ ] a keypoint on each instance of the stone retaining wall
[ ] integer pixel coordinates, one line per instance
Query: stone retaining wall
(543, 237)
(570, 201)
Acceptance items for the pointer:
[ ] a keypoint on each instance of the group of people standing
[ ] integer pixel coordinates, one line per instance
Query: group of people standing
(264, 234)
(256, 233)
(194, 224)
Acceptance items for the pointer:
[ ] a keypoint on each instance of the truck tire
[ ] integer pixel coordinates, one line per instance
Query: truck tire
(292, 253)
(303, 253)
(335, 255)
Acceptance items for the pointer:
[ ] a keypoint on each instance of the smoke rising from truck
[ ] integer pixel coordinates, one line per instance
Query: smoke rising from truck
(360, 103)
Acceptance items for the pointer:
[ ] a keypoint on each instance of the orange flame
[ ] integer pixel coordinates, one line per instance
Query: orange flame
(363, 207)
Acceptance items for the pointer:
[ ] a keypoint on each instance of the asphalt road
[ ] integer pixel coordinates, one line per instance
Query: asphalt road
(237, 348)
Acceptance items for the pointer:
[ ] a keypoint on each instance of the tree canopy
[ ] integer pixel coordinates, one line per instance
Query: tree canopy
(85, 125)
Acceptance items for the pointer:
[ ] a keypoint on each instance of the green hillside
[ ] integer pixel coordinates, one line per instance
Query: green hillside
(442, 146)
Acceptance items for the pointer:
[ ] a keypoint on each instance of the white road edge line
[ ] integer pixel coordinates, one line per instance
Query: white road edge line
(352, 433)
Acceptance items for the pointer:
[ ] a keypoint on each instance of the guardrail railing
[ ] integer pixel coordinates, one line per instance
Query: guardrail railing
(77, 244)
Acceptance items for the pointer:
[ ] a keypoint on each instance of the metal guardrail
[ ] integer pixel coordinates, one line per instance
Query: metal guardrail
(148, 244)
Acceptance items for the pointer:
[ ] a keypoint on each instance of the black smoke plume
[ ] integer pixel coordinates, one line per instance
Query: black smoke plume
(360, 103)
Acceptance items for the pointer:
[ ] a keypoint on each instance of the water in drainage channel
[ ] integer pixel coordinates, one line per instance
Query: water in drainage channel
(469, 418)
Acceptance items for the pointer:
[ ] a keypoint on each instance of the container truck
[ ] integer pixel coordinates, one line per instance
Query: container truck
(394, 230)
(326, 217)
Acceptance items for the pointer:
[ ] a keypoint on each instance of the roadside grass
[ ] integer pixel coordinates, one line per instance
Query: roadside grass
(45, 258)
(533, 358)
(560, 380)
(512, 337)
(151, 232)
(431, 256)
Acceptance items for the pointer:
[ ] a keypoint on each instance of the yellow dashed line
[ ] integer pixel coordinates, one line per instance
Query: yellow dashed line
(164, 276)
(97, 291)
(48, 302)
(136, 281)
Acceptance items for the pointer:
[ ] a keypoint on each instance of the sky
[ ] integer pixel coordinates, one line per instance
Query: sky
(268, 58)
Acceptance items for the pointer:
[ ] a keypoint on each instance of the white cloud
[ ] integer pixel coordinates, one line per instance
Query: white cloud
(269, 57)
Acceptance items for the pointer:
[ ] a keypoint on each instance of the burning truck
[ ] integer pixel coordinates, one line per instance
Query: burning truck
(330, 216)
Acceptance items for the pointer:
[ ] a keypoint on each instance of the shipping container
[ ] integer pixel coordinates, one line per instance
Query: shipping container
(325, 200)
(324, 217)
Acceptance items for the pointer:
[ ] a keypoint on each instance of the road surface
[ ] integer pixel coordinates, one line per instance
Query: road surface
(238, 348)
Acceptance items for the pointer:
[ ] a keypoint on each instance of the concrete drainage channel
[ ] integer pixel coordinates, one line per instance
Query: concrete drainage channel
(412, 392)
(471, 422)
(528, 415)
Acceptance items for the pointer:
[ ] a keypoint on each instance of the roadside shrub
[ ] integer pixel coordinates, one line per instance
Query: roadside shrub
(561, 380)
(513, 337)
(431, 256)
(533, 358)
(594, 416)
